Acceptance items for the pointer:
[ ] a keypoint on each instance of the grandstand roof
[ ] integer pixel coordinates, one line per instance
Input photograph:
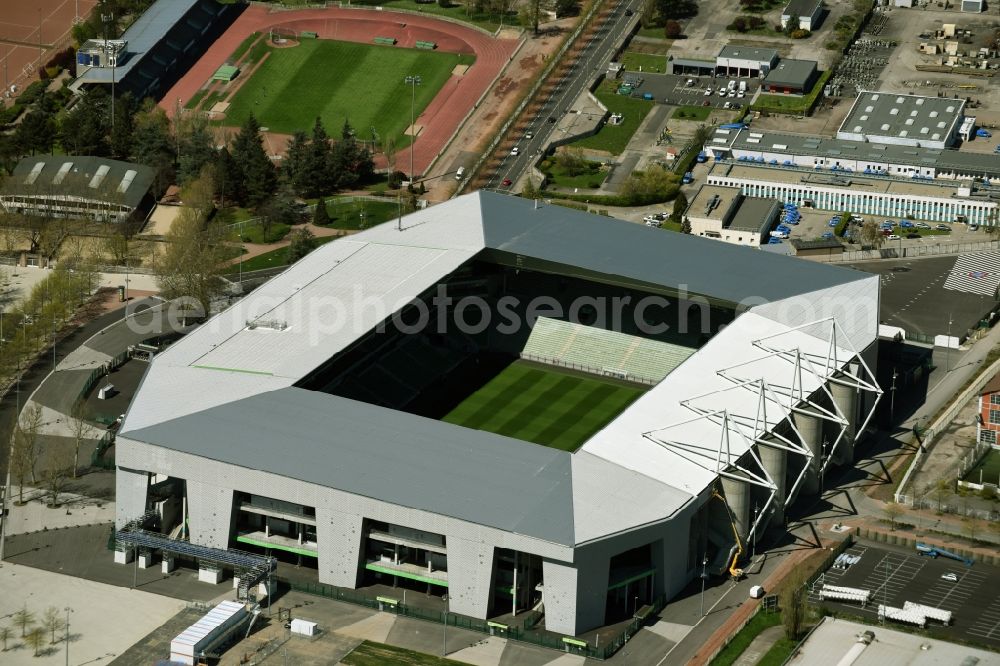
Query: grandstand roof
(154, 24)
(243, 360)
(82, 177)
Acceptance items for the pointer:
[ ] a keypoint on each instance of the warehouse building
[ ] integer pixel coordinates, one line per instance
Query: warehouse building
(745, 62)
(974, 6)
(808, 12)
(157, 49)
(94, 188)
(816, 152)
(791, 77)
(932, 201)
(725, 214)
(268, 453)
(903, 120)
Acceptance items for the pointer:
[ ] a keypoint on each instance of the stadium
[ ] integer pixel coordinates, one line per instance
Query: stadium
(510, 405)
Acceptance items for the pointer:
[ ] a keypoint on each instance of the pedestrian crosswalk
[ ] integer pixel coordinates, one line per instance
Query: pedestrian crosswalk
(977, 273)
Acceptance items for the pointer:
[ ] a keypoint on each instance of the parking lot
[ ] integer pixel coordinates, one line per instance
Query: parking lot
(896, 576)
(673, 89)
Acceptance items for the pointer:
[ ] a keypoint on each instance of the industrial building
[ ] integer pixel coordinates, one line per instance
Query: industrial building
(974, 6)
(903, 120)
(791, 77)
(988, 423)
(725, 214)
(157, 49)
(808, 12)
(95, 188)
(929, 200)
(297, 421)
(745, 61)
(816, 152)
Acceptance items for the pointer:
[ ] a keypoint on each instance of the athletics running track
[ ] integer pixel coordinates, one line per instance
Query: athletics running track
(442, 116)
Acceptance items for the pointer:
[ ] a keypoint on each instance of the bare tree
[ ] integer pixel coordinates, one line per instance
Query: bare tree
(971, 525)
(871, 234)
(35, 639)
(56, 475)
(892, 511)
(29, 425)
(5, 635)
(80, 427)
(22, 462)
(940, 492)
(23, 619)
(52, 622)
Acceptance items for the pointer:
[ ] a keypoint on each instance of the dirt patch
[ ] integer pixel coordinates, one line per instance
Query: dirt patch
(282, 43)
(460, 70)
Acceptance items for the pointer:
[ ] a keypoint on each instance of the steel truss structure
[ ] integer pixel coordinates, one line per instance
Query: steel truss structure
(781, 391)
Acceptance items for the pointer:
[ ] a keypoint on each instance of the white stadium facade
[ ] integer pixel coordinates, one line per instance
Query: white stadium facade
(289, 423)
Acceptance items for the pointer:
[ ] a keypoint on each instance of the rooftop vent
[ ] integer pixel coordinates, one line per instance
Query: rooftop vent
(885, 126)
(899, 100)
(909, 121)
(864, 117)
(869, 109)
(874, 98)
(903, 133)
(920, 101)
(913, 113)
(712, 204)
(894, 111)
(270, 324)
(950, 109)
(924, 130)
(933, 114)
(858, 128)
(942, 125)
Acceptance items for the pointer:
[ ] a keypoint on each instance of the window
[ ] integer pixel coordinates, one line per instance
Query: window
(988, 436)
(995, 416)
(995, 398)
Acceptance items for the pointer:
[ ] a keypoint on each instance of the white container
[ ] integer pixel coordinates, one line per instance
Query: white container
(303, 627)
(213, 576)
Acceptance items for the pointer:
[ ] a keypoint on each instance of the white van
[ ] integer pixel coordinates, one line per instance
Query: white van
(732, 85)
(459, 173)
(743, 86)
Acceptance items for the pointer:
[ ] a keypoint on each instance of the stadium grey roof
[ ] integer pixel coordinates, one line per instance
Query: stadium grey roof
(399, 458)
(793, 73)
(154, 24)
(944, 160)
(748, 53)
(912, 117)
(617, 249)
(95, 178)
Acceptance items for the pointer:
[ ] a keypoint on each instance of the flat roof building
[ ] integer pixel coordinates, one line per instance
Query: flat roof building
(725, 214)
(808, 12)
(745, 61)
(791, 76)
(80, 187)
(901, 119)
(933, 201)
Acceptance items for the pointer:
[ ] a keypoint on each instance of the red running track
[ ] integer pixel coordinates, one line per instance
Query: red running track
(442, 116)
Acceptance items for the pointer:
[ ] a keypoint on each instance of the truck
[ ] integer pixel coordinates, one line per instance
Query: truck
(688, 177)
(743, 86)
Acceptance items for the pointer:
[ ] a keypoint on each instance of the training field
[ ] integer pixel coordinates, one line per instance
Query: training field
(335, 80)
(543, 405)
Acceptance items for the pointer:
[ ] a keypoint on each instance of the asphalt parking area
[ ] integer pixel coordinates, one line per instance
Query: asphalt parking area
(897, 576)
(673, 89)
(914, 298)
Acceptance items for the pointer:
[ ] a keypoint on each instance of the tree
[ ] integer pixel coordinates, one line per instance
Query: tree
(792, 603)
(302, 242)
(871, 235)
(191, 263)
(293, 167)
(85, 127)
(196, 146)
(279, 209)
(350, 162)
(153, 145)
(121, 138)
(24, 452)
(686, 225)
(566, 8)
(55, 476)
(35, 639)
(227, 178)
(672, 29)
(36, 132)
(52, 622)
(23, 619)
(5, 635)
(892, 511)
(792, 25)
(680, 205)
(259, 179)
(317, 176)
(654, 182)
(321, 216)
(676, 9)
(940, 491)
(572, 161)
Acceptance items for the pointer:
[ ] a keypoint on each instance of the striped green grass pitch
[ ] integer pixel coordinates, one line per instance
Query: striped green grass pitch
(543, 405)
(339, 81)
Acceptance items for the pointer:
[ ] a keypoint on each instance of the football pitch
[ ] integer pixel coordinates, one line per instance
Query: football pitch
(543, 405)
(340, 81)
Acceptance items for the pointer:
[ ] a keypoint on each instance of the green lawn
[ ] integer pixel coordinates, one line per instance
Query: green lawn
(340, 81)
(558, 177)
(254, 232)
(792, 103)
(692, 113)
(648, 61)
(990, 466)
(614, 138)
(543, 405)
(380, 654)
(361, 214)
(271, 259)
(742, 640)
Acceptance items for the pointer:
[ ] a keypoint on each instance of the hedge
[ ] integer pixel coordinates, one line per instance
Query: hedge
(619, 200)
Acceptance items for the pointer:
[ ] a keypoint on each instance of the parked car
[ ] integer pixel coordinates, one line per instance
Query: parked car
(943, 227)
(727, 105)
(953, 577)
(892, 237)
(922, 225)
(913, 235)
(515, 151)
(973, 227)
(506, 182)
(828, 235)
(708, 92)
(529, 135)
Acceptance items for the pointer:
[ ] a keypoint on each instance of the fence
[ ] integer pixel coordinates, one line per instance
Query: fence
(932, 504)
(526, 633)
(590, 370)
(910, 251)
(925, 444)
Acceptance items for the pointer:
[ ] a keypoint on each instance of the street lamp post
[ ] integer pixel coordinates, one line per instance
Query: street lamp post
(756, 512)
(822, 470)
(704, 575)
(892, 398)
(947, 350)
(67, 609)
(413, 81)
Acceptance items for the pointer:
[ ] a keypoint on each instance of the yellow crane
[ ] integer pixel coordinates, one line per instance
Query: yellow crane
(734, 571)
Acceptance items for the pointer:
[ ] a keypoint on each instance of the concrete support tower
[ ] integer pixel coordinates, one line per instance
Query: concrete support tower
(811, 429)
(738, 497)
(846, 400)
(775, 463)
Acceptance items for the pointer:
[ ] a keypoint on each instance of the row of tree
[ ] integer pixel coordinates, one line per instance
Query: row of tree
(34, 635)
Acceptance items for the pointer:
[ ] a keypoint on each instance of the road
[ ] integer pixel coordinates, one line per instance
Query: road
(593, 59)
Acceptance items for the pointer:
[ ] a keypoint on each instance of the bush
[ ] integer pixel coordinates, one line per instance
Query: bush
(755, 22)
(988, 493)
(672, 29)
(396, 179)
(739, 24)
(800, 34)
